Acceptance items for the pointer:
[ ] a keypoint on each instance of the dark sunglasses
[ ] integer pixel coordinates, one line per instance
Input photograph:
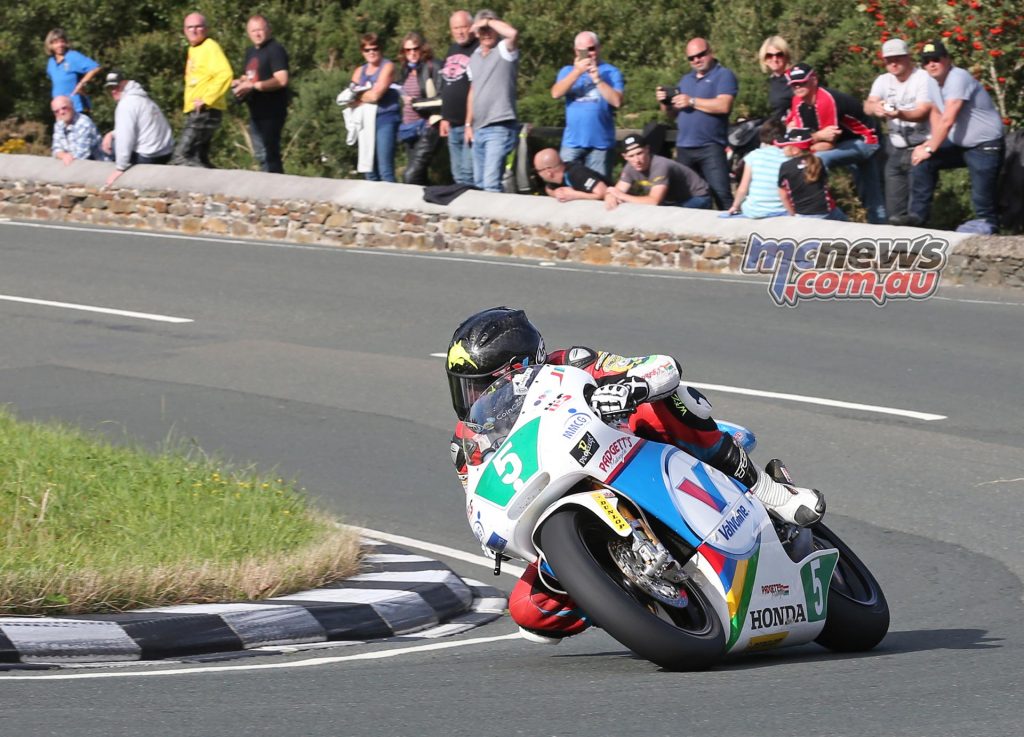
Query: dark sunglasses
(798, 84)
(930, 59)
(407, 49)
(775, 55)
(699, 55)
(368, 49)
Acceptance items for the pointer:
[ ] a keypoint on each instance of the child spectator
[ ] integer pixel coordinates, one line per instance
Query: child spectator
(803, 179)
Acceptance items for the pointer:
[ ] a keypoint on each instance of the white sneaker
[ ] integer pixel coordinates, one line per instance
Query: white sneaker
(794, 504)
(538, 638)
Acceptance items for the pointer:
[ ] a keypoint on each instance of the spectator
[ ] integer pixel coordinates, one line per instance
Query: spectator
(491, 124)
(966, 130)
(700, 105)
(843, 135)
(419, 79)
(264, 88)
(570, 180)
(803, 179)
(69, 71)
(593, 92)
(141, 133)
(655, 180)
(74, 134)
(776, 59)
(376, 76)
(454, 92)
(758, 193)
(207, 79)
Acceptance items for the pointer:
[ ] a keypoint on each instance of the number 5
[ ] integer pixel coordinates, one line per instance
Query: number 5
(506, 459)
(819, 601)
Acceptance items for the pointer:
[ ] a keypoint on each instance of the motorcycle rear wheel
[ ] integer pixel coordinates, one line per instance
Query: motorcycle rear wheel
(858, 614)
(575, 544)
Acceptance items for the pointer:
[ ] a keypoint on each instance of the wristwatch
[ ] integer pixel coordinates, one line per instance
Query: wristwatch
(929, 149)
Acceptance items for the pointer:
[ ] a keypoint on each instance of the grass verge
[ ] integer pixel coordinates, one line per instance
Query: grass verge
(86, 526)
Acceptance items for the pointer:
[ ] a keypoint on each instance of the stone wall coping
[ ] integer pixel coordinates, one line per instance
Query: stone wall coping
(376, 196)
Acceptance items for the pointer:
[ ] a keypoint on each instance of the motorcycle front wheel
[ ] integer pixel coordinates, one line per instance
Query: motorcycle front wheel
(858, 614)
(577, 547)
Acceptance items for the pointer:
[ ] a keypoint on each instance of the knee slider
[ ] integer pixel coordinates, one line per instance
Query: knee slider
(693, 401)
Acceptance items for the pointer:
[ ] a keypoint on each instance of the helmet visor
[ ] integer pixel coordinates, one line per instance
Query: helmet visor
(466, 390)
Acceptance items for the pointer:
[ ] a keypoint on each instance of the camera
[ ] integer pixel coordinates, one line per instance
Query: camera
(888, 107)
(670, 92)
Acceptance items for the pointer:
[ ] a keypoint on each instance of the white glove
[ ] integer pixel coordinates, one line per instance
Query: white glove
(620, 399)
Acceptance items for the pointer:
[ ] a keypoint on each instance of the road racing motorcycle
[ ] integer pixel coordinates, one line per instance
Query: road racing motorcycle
(671, 557)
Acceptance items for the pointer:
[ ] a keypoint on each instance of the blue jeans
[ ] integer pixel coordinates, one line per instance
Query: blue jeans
(600, 160)
(491, 146)
(867, 174)
(835, 214)
(982, 161)
(709, 161)
(460, 154)
(384, 150)
(700, 202)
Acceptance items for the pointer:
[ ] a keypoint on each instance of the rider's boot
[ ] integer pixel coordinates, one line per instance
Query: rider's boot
(773, 487)
(544, 616)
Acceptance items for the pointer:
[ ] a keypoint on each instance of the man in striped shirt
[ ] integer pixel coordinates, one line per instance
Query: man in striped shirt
(843, 135)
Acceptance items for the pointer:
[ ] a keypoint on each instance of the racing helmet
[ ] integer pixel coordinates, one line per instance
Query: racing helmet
(485, 347)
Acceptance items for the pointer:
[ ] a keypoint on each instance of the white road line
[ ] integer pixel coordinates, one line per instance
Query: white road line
(311, 663)
(913, 414)
(926, 416)
(92, 308)
(412, 542)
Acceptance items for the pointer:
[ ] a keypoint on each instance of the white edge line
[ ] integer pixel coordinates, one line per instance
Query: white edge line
(312, 662)
(926, 416)
(411, 542)
(91, 308)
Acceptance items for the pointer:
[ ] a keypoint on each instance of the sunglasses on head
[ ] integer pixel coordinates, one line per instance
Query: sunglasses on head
(698, 55)
(775, 55)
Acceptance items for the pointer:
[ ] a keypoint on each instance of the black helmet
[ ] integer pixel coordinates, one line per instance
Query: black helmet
(486, 346)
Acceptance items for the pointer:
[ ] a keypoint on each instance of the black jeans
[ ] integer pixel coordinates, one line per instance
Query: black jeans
(266, 142)
(897, 179)
(709, 161)
(193, 147)
(420, 151)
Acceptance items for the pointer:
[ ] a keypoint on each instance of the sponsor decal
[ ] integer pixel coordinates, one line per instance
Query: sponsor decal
(775, 589)
(662, 368)
(876, 269)
(576, 421)
(777, 616)
(678, 403)
(615, 453)
(458, 356)
(815, 576)
(613, 363)
(557, 402)
(729, 528)
(558, 373)
(610, 511)
(766, 642)
(496, 542)
(511, 467)
(585, 449)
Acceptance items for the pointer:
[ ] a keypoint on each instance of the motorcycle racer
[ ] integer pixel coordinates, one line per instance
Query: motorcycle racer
(645, 391)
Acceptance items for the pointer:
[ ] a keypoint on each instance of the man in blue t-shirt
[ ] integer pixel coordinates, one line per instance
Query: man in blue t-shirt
(593, 92)
(700, 104)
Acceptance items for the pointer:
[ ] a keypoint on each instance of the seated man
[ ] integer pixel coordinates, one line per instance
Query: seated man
(572, 181)
(141, 133)
(74, 134)
(496, 341)
(655, 180)
(843, 134)
(966, 131)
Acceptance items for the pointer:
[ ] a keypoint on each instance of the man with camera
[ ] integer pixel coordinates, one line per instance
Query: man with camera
(593, 92)
(700, 104)
(903, 98)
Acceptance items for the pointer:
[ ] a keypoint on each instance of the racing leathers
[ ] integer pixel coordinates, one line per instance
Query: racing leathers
(646, 392)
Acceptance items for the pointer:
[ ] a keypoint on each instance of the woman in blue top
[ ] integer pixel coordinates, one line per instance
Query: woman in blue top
(758, 193)
(69, 70)
(379, 73)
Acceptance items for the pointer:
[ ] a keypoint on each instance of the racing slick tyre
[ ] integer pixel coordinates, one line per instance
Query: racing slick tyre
(577, 546)
(858, 615)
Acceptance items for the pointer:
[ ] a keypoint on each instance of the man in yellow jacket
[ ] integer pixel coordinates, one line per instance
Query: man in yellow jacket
(208, 76)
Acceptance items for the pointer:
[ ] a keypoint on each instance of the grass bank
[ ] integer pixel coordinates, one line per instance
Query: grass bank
(86, 526)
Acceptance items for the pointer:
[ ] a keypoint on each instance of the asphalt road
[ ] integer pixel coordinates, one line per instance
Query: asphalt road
(318, 362)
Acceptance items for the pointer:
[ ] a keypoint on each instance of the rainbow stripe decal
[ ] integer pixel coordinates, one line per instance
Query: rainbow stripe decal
(737, 577)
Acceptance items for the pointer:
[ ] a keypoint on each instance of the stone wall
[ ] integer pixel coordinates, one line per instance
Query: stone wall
(379, 215)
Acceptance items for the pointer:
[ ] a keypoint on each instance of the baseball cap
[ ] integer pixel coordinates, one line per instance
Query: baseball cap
(799, 137)
(933, 49)
(632, 141)
(895, 47)
(114, 78)
(799, 73)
